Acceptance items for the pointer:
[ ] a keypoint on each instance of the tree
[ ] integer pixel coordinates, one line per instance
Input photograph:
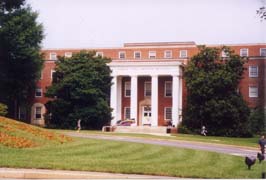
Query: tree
(262, 13)
(213, 99)
(20, 58)
(81, 90)
(3, 109)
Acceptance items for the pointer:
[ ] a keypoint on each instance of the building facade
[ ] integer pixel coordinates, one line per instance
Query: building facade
(148, 85)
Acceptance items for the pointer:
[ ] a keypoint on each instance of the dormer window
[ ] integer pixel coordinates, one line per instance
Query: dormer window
(137, 55)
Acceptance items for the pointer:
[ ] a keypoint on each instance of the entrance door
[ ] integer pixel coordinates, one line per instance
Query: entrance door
(146, 115)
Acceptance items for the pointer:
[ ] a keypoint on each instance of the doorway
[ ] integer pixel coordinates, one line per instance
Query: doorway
(146, 116)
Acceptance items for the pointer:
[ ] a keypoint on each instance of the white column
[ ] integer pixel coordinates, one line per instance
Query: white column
(175, 100)
(119, 98)
(113, 101)
(180, 98)
(154, 100)
(134, 99)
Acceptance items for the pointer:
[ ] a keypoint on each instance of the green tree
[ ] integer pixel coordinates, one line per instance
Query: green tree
(81, 88)
(213, 99)
(3, 109)
(20, 58)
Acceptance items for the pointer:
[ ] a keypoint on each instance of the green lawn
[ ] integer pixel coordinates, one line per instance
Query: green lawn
(121, 157)
(247, 142)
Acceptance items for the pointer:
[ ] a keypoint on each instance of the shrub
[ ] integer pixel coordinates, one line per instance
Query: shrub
(3, 109)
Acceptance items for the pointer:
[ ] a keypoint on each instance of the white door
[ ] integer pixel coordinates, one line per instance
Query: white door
(146, 115)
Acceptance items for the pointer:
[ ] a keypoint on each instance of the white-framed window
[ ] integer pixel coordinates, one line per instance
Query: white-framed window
(127, 89)
(167, 54)
(53, 56)
(137, 55)
(99, 54)
(147, 88)
(38, 112)
(152, 54)
(244, 52)
(68, 54)
(168, 89)
(253, 91)
(253, 71)
(38, 92)
(127, 113)
(168, 113)
(122, 55)
(183, 54)
(262, 51)
(52, 74)
(225, 54)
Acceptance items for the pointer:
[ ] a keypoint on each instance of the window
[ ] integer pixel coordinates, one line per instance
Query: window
(38, 92)
(167, 113)
(152, 54)
(168, 89)
(183, 54)
(68, 54)
(52, 74)
(225, 54)
(147, 89)
(262, 51)
(127, 89)
(38, 112)
(122, 55)
(253, 71)
(168, 54)
(127, 113)
(99, 54)
(137, 54)
(244, 52)
(253, 91)
(53, 56)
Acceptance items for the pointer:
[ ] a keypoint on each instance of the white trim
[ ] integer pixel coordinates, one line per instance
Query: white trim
(262, 49)
(145, 88)
(53, 56)
(181, 55)
(255, 92)
(152, 55)
(121, 53)
(39, 90)
(165, 89)
(135, 54)
(165, 113)
(166, 53)
(255, 73)
(68, 54)
(125, 112)
(241, 52)
(127, 84)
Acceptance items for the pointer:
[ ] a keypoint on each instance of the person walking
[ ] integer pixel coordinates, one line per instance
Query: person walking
(262, 143)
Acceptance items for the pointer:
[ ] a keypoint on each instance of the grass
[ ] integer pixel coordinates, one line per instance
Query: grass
(246, 142)
(118, 157)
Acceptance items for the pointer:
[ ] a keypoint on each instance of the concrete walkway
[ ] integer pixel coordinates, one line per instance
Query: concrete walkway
(12, 173)
(220, 148)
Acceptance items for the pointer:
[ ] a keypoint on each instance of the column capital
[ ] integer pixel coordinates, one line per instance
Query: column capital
(154, 75)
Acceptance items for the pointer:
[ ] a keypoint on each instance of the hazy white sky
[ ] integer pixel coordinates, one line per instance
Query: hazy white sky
(110, 23)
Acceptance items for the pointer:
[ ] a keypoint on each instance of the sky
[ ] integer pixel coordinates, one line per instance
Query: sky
(110, 23)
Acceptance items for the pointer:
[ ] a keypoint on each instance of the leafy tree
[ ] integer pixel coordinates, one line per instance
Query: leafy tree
(3, 109)
(257, 121)
(20, 58)
(213, 99)
(80, 89)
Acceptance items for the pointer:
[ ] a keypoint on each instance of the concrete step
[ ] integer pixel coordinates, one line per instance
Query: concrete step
(142, 129)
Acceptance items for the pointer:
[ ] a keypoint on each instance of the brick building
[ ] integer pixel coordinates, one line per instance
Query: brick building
(147, 80)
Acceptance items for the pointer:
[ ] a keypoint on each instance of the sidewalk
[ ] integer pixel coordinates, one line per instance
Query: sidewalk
(13, 173)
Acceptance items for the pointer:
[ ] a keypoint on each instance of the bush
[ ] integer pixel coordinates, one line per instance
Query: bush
(3, 109)
(256, 121)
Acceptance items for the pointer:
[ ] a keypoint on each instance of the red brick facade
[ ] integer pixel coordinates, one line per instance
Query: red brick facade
(255, 59)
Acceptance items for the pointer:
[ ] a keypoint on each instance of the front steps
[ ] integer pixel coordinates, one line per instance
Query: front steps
(140, 129)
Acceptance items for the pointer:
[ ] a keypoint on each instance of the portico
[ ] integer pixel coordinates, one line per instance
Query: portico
(140, 91)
